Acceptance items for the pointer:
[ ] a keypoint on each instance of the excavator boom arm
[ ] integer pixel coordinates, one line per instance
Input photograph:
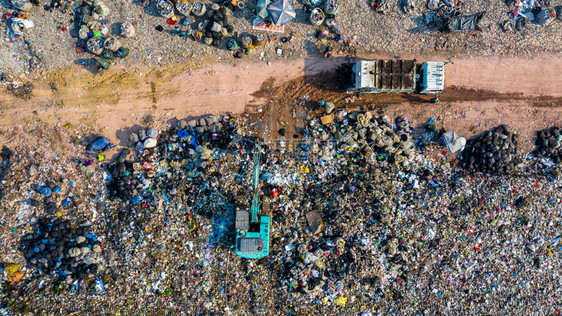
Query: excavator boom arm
(255, 207)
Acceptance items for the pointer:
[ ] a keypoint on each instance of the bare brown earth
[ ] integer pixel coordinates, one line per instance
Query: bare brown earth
(480, 93)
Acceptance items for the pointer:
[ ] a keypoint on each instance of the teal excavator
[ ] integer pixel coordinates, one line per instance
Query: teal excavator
(252, 234)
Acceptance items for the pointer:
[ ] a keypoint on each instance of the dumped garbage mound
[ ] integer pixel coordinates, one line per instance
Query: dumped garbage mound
(121, 183)
(345, 232)
(316, 264)
(5, 156)
(57, 246)
(163, 158)
(549, 144)
(375, 136)
(492, 151)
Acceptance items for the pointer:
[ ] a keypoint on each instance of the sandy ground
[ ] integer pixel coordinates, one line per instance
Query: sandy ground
(480, 93)
(539, 76)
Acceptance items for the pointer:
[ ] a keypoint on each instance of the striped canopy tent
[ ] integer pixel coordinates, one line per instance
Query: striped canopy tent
(281, 12)
(261, 8)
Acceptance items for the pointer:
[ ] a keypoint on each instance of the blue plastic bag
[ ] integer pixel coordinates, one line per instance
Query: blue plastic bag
(101, 143)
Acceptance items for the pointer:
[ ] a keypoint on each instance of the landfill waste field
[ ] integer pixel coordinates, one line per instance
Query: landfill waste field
(369, 215)
(280, 157)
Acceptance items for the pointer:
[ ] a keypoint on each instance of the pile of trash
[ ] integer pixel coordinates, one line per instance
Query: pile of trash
(215, 27)
(186, 132)
(313, 265)
(447, 16)
(93, 16)
(158, 151)
(549, 144)
(526, 12)
(50, 191)
(22, 5)
(5, 157)
(15, 15)
(54, 246)
(492, 151)
(120, 179)
(373, 136)
(323, 13)
(144, 139)
(359, 223)
(94, 34)
(208, 25)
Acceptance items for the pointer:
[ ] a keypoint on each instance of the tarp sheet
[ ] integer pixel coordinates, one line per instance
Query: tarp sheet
(454, 142)
(261, 8)
(281, 12)
(463, 23)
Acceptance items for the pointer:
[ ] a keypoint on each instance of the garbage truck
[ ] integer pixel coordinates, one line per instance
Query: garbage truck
(392, 75)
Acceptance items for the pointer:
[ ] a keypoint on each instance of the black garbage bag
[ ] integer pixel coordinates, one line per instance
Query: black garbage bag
(5, 157)
(520, 24)
(463, 23)
(545, 16)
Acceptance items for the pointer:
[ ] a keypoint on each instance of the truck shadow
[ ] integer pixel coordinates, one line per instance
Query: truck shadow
(321, 73)
(417, 98)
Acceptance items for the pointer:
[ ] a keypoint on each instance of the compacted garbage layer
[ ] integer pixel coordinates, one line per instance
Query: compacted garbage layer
(413, 234)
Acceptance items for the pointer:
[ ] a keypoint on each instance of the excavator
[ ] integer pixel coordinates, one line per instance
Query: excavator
(252, 232)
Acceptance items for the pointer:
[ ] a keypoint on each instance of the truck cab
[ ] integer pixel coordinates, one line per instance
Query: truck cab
(432, 77)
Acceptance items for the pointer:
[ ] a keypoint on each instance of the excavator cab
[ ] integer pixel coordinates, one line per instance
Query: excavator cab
(252, 229)
(252, 239)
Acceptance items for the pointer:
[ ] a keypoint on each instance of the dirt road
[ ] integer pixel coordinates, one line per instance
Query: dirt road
(539, 76)
(124, 95)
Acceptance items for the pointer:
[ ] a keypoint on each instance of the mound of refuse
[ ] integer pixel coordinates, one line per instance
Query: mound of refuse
(549, 144)
(57, 246)
(5, 156)
(122, 182)
(375, 136)
(492, 151)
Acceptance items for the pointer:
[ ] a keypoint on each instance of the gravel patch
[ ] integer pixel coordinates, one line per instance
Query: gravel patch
(53, 39)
